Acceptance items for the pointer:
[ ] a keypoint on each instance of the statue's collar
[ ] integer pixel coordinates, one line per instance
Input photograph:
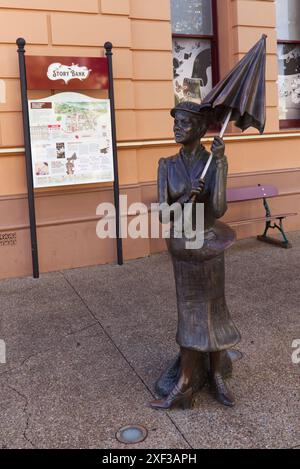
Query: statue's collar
(198, 154)
(192, 165)
(192, 158)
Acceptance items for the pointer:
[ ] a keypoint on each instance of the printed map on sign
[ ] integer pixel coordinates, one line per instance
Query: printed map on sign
(71, 140)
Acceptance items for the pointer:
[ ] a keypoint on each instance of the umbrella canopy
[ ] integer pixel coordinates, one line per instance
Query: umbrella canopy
(242, 92)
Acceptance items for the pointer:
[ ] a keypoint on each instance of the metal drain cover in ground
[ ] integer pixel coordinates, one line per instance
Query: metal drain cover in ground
(132, 434)
(235, 355)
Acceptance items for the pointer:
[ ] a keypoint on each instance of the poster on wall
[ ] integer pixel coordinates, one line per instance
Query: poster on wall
(71, 140)
(192, 69)
(192, 17)
(289, 81)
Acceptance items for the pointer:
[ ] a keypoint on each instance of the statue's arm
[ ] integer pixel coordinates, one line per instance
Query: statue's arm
(219, 202)
(162, 182)
(162, 186)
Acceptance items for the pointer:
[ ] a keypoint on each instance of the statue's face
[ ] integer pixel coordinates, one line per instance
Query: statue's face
(188, 128)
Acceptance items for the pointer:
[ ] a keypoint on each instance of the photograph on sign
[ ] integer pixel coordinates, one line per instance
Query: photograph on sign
(71, 140)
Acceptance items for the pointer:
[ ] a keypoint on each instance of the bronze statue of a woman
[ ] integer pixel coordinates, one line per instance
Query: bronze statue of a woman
(204, 324)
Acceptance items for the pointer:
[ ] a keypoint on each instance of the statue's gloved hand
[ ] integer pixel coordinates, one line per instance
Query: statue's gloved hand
(197, 188)
(218, 148)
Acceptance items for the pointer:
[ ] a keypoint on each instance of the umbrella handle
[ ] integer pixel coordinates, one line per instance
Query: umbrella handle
(226, 122)
(224, 127)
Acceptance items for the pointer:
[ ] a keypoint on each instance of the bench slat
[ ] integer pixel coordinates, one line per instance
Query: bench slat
(262, 219)
(237, 194)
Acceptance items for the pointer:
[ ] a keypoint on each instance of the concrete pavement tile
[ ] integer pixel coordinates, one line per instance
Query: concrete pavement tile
(35, 312)
(264, 389)
(208, 425)
(13, 418)
(279, 430)
(143, 323)
(63, 422)
(80, 395)
(266, 415)
(87, 357)
(147, 351)
(264, 345)
(145, 334)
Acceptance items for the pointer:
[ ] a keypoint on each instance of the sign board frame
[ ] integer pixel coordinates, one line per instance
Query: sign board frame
(64, 69)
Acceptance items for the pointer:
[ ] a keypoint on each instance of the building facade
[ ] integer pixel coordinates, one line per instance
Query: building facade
(146, 36)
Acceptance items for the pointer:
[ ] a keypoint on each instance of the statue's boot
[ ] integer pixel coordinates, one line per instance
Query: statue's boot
(170, 375)
(181, 394)
(217, 383)
(176, 398)
(221, 391)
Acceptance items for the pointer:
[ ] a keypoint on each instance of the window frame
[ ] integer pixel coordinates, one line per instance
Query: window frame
(213, 38)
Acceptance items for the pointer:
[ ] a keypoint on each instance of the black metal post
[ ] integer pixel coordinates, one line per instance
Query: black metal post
(108, 48)
(28, 156)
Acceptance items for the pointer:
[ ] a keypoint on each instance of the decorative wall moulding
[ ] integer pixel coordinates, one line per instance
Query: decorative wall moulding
(11, 151)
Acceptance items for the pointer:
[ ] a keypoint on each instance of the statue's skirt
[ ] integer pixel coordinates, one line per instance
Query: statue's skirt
(204, 322)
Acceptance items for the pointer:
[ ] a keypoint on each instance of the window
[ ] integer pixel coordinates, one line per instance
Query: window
(288, 34)
(195, 55)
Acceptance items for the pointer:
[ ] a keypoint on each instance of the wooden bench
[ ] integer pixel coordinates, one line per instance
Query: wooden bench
(261, 191)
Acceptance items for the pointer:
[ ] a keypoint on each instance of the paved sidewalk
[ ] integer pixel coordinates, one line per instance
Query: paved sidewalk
(85, 346)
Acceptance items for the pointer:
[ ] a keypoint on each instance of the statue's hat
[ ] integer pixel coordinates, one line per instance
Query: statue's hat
(192, 108)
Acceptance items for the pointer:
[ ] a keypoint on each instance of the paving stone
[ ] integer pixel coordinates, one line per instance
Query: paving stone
(35, 313)
(79, 394)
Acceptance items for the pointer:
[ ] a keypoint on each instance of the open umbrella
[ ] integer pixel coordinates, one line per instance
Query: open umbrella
(240, 96)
